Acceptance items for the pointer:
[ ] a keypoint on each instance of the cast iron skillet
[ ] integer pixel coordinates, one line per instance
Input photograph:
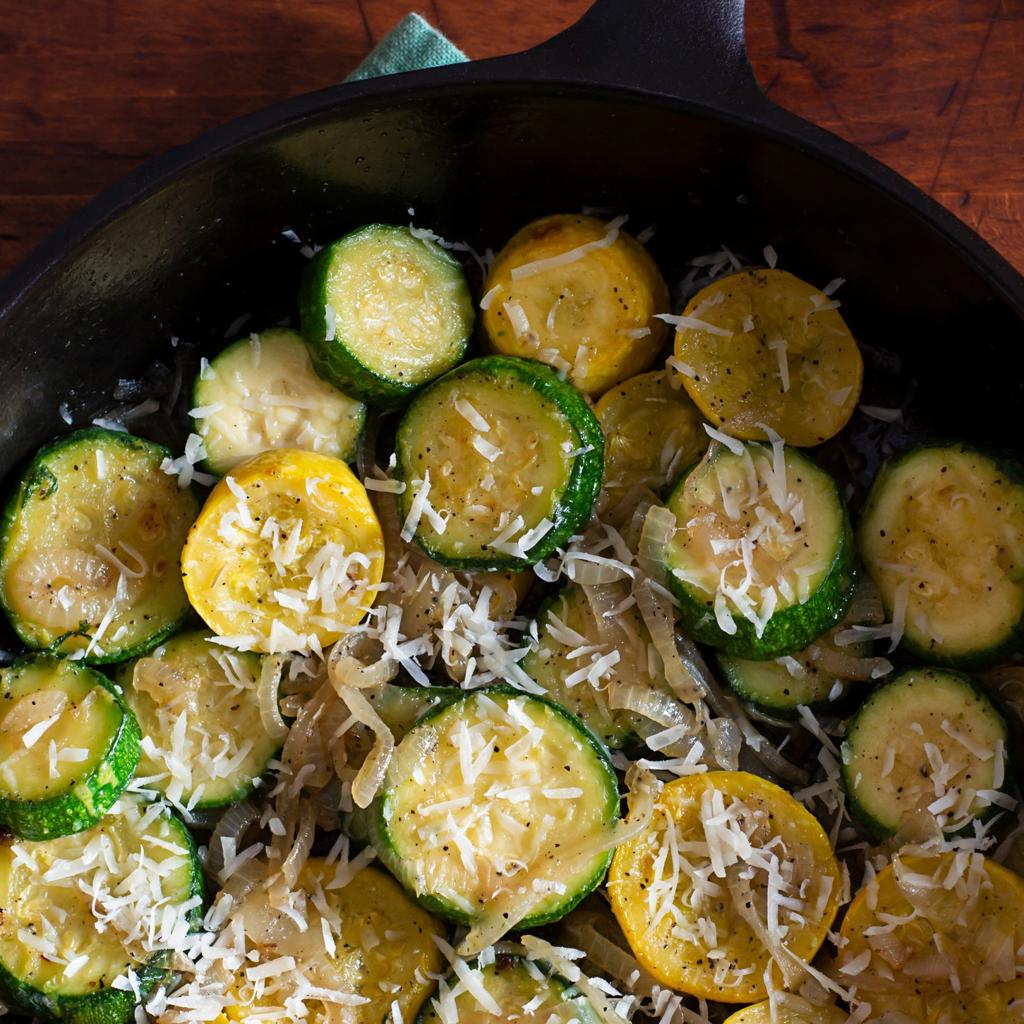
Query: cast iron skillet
(645, 106)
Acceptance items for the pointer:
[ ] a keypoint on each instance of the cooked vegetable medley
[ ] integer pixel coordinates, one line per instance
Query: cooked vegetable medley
(560, 672)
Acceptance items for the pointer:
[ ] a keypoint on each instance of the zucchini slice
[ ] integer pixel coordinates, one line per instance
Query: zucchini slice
(930, 939)
(789, 1013)
(481, 795)
(262, 393)
(782, 685)
(761, 348)
(402, 706)
(565, 627)
(653, 432)
(382, 949)
(502, 463)
(762, 557)
(89, 547)
(929, 740)
(511, 988)
(942, 534)
(580, 295)
(68, 747)
(286, 554)
(384, 312)
(66, 934)
(692, 927)
(204, 743)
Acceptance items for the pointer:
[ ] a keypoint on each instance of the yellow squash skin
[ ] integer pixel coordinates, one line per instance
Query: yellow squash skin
(653, 433)
(910, 974)
(372, 906)
(736, 377)
(683, 963)
(589, 314)
(761, 1013)
(231, 577)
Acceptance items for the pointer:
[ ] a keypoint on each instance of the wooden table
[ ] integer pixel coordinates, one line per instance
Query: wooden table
(89, 88)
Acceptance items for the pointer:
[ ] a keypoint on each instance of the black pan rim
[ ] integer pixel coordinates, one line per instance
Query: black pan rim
(763, 118)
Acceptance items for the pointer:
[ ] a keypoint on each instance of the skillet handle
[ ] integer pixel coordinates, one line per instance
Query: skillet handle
(686, 49)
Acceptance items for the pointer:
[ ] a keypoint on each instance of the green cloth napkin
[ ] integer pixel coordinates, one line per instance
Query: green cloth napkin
(411, 45)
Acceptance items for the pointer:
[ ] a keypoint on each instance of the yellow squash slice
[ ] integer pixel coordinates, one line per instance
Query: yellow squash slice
(797, 1012)
(691, 917)
(653, 433)
(763, 348)
(936, 937)
(383, 954)
(286, 554)
(580, 295)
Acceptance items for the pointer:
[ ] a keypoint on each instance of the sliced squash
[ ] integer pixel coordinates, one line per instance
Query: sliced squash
(763, 348)
(89, 547)
(653, 432)
(286, 554)
(799, 1011)
(204, 743)
(761, 560)
(935, 937)
(68, 747)
(502, 464)
(382, 950)
(692, 919)
(942, 535)
(509, 989)
(261, 393)
(580, 295)
(63, 904)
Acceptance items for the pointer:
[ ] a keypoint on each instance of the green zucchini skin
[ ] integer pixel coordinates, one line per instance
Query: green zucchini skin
(878, 703)
(504, 965)
(85, 803)
(978, 657)
(39, 483)
(108, 1005)
(402, 707)
(332, 357)
(191, 653)
(614, 728)
(105, 1006)
(771, 692)
(577, 499)
(789, 629)
(379, 814)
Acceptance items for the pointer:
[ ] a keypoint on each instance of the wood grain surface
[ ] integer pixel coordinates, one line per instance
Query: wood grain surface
(89, 88)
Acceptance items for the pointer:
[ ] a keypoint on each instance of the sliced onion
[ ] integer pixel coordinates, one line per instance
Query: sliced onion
(659, 617)
(298, 855)
(592, 574)
(371, 773)
(658, 530)
(729, 709)
(245, 879)
(357, 660)
(602, 600)
(847, 666)
(304, 746)
(233, 824)
(606, 950)
(725, 740)
(866, 607)
(267, 694)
